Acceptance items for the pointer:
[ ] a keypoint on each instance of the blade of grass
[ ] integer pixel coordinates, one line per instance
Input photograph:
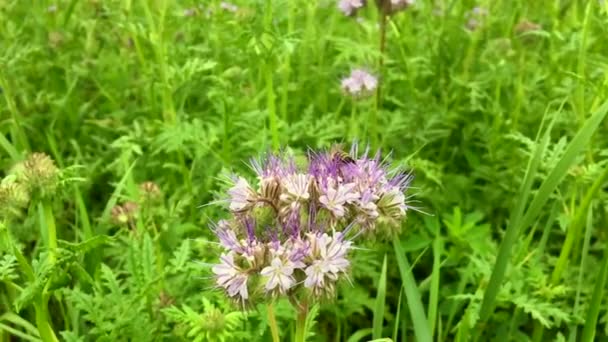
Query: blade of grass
(398, 316)
(500, 267)
(573, 150)
(9, 148)
(573, 232)
(596, 301)
(119, 187)
(380, 301)
(435, 278)
(583, 265)
(412, 295)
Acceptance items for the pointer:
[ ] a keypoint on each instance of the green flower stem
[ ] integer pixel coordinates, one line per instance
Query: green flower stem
(51, 230)
(353, 121)
(272, 322)
(301, 323)
(269, 79)
(42, 321)
(373, 114)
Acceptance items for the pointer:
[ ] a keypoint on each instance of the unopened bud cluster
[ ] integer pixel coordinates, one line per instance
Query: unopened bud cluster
(36, 176)
(291, 231)
(126, 213)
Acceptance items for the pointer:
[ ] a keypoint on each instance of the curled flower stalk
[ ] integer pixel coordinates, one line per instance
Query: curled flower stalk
(292, 230)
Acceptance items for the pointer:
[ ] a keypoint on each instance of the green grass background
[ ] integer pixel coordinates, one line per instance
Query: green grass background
(503, 130)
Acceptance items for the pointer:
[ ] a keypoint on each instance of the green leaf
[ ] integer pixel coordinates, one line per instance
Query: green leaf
(85, 246)
(310, 323)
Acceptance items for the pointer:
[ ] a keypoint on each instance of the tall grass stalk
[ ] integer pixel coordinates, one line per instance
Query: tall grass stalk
(521, 221)
(269, 79)
(412, 295)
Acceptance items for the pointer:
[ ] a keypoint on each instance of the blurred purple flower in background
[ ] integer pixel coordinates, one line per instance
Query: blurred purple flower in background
(359, 82)
(350, 7)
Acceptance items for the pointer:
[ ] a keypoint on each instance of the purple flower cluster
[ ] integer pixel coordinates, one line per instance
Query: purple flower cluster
(291, 233)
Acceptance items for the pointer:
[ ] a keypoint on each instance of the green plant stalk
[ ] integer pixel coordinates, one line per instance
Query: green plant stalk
(272, 322)
(42, 321)
(433, 307)
(398, 315)
(300, 335)
(158, 42)
(287, 72)
(268, 74)
(353, 121)
(412, 295)
(272, 111)
(582, 266)
(380, 304)
(51, 230)
(40, 304)
(596, 301)
(573, 149)
(572, 237)
(580, 70)
(373, 114)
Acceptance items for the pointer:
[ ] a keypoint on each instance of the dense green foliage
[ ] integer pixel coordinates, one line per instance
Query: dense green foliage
(495, 121)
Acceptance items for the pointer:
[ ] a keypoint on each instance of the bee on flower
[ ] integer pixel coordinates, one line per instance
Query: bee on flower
(292, 231)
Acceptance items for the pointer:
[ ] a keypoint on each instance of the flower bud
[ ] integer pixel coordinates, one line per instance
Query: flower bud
(125, 213)
(149, 191)
(13, 193)
(40, 174)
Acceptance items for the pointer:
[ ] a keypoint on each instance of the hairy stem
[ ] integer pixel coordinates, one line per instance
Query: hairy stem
(272, 322)
(301, 323)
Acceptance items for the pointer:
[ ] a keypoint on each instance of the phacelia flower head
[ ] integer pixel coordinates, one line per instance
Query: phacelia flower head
(291, 232)
(359, 83)
(350, 7)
